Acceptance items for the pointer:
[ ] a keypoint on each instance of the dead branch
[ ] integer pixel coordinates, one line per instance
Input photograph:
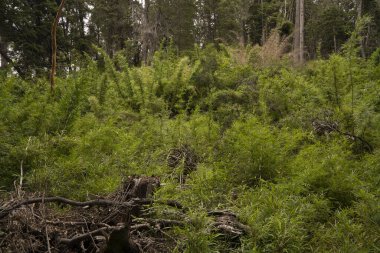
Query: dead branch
(163, 222)
(47, 240)
(355, 137)
(321, 127)
(221, 213)
(149, 224)
(61, 200)
(98, 202)
(142, 226)
(172, 203)
(82, 237)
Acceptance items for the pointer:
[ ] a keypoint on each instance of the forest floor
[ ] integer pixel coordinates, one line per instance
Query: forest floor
(123, 221)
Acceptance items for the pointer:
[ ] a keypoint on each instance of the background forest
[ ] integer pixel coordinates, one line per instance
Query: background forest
(291, 147)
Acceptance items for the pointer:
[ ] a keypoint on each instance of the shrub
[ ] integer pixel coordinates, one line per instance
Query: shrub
(327, 169)
(250, 152)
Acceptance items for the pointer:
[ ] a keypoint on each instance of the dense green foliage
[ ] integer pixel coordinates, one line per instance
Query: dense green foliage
(258, 132)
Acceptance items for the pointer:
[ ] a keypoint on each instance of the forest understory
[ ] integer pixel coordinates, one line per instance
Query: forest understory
(152, 135)
(235, 156)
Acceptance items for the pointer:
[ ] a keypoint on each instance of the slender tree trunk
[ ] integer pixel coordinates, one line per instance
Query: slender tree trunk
(263, 26)
(145, 32)
(3, 60)
(244, 33)
(296, 45)
(336, 87)
(299, 32)
(285, 11)
(335, 43)
(302, 32)
(360, 14)
(54, 45)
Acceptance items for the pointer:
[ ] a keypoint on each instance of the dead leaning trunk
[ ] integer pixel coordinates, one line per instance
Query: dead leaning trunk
(54, 45)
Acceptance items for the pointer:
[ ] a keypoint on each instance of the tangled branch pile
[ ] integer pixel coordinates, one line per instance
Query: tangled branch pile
(120, 222)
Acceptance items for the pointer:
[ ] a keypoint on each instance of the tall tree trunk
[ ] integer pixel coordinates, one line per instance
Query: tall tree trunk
(296, 45)
(299, 32)
(145, 33)
(302, 31)
(54, 45)
(148, 31)
(360, 14)
(263, 26)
